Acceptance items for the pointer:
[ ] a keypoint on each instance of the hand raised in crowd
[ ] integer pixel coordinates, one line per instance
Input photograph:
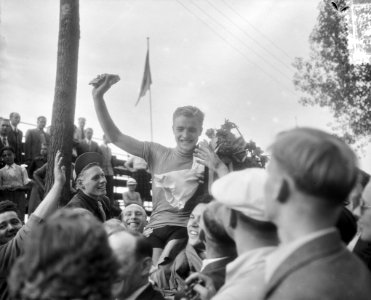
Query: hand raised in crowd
(147, 231)
(102, 83)
(59, 169)
(202, 285)
(206, 156)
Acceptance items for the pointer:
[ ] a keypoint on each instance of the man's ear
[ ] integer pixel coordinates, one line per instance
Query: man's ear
(284, 191)
(146, 266)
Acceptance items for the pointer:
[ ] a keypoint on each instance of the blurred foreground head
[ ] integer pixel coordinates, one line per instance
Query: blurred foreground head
(67, 257)
(312, 164)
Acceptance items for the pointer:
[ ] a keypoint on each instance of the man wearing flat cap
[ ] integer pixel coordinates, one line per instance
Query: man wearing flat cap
(91, 188)
(310, 176)
(241, 205)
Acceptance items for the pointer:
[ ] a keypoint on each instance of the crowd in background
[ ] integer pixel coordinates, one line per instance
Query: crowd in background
(299, 229)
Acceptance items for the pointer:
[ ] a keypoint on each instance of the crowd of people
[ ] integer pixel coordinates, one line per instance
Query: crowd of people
(285, 232)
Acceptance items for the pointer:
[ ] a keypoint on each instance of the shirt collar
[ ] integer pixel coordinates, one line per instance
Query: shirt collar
(12, 166)
(208, 261)
(274, 260)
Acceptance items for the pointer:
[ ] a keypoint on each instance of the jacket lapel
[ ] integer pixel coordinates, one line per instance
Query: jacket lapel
(320, 247)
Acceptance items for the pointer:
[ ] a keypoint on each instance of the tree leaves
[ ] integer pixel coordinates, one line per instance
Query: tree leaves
(328, 79)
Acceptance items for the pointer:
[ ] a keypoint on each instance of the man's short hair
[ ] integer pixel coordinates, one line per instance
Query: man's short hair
(9, 148)
(190, 112)
(41, 117)
(320, 164)
(13, 114)
(8, 205)
(113, 226)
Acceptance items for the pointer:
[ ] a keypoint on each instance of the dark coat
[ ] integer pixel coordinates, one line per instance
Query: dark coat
(83, 147)
(15, 141)
(321, 269)
(83, 201)
(32, 144)
(150, 294)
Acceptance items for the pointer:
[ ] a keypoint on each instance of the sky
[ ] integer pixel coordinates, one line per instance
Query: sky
(231, 58)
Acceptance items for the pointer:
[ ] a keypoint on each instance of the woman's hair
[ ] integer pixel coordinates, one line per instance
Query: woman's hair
(67, 257)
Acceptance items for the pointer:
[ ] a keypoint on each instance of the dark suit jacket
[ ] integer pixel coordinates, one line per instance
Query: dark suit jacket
(15, 140)
(2, 164)
(216, 271)
(363, 250)
(150, 294)
(320, 269)
(83, 147)
(32, 144)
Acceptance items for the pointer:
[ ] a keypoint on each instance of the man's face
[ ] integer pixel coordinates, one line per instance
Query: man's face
(193, 225)
(89, 133)
(9, 226)
(132, 187)
(94, 182)
(44, 150)
(186, 131)
(134, 218)
(15, 119)
(364, 222)
(123, 246)
(81, 122)
(8, 157)
(41, 123)
(4, 127)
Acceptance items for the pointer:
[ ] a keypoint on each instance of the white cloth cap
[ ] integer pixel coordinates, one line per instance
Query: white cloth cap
(131, 181)
(243, 191)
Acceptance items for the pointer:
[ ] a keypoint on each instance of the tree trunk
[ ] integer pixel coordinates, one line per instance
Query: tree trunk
(62, 127)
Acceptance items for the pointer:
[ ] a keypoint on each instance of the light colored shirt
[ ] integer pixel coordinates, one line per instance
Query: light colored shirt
(13, 175)
(4, 140)
(284, 251)
(137, 163)
(134, 295)
(208, 261)
(245, 276)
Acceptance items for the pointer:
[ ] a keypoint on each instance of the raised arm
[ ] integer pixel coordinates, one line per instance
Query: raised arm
(50, 202)
(123, 141)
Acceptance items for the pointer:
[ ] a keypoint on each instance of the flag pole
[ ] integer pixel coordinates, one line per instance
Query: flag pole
(150, 99)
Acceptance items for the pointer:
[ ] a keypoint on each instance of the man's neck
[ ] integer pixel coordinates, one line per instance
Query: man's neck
(214, 250)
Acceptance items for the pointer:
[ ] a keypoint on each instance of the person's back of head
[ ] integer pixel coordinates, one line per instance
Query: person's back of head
(320, 165)
(67, 257)
(215, 235)
(134, 255)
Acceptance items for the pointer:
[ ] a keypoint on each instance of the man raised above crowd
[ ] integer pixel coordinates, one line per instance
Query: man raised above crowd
(172, 166)
(310, 175)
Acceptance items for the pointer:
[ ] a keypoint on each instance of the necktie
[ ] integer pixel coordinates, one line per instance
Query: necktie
(5, 141)
(101, 211)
